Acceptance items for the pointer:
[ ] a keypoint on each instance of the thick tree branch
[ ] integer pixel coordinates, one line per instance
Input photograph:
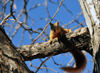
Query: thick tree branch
(91, 11)
(79, 39)
(10, 60)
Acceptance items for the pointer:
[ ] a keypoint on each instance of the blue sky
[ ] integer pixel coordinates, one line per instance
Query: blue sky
(40, 12)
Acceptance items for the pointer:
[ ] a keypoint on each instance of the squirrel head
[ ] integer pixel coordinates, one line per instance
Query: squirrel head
(54, 26)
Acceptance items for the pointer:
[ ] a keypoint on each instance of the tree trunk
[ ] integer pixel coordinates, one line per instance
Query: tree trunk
(91, 11)
(10, 60)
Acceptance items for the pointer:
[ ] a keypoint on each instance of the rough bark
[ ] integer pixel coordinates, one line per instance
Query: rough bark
(91, 11)
(13, 59)
(10, 60)
(77, 39)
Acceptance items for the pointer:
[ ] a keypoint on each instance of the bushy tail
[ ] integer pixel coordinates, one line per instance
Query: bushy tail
(80, 61)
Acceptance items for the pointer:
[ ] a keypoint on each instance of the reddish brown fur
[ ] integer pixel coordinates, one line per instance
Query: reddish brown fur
(56, 32)
(80, 61)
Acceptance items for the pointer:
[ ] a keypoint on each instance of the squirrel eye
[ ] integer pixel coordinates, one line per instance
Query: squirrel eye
(57, 25)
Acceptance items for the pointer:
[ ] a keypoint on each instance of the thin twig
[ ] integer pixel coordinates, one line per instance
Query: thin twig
(70, 61)
(78, 25)
(44, 66)
(4, 20)
(44, 62)
(55, 62)
(48, 23)
(49, 69)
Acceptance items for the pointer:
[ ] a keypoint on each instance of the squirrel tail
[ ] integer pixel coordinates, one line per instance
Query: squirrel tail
(80, 61)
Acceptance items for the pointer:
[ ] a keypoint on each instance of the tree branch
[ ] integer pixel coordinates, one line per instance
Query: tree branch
(79, 39)
(91, 11)
(10, 60)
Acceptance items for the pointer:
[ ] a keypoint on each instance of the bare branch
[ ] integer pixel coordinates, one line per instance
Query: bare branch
(48, 23)
(77, 39)
(4, 20)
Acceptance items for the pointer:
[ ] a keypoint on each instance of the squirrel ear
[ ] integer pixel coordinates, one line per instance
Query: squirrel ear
(58, 23)
(50, 24)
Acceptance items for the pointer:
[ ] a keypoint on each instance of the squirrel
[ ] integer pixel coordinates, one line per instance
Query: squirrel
(80, 60)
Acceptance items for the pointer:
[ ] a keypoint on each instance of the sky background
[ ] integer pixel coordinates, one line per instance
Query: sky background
(38, 15)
